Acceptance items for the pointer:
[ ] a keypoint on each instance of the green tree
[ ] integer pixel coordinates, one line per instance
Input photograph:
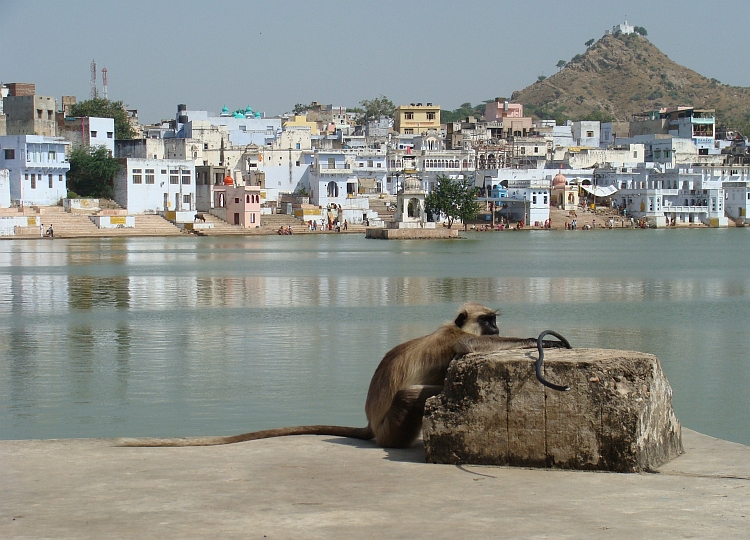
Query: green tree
(640, 30)
(104, 108)
(92, 170)
(466, 109)
(456, 199)
(299, 108)
(372, 109)
(541, 78)
(589, 43)
(561, 64)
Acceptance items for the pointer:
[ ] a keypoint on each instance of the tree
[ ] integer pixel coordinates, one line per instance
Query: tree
(372, 109)
(92, 170)
(456, 199)
(465, 110)
(104, 108)
(541, 78)
(640, 30)
(561, 64)
(300, 108)
(589, 43)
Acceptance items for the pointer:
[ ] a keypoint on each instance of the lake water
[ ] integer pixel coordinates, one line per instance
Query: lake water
(211, 336)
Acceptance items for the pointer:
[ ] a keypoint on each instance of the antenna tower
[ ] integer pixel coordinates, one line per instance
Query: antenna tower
(104, 82)
(93, 80)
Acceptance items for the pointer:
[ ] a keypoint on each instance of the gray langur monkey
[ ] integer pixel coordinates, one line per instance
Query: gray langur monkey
(408, 374)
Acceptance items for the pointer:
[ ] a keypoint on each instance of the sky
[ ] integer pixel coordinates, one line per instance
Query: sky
(274, 54)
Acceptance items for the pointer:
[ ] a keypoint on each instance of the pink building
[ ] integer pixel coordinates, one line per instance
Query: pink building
(501, 108)
(241, 204)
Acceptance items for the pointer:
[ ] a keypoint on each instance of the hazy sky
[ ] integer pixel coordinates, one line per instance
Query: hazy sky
(273, 54)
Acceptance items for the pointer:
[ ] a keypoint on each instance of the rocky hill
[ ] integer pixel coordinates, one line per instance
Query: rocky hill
(620, 75)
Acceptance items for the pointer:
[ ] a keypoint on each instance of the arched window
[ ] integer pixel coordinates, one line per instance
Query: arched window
(333, 189)
(247, 199)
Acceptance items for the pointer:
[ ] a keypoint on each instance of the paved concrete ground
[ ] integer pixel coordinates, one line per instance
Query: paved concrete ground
(324, 487)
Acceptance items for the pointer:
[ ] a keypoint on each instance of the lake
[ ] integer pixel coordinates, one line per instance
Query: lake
(196, 336)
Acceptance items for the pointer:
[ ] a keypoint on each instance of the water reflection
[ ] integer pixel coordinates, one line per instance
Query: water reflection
(208, 336)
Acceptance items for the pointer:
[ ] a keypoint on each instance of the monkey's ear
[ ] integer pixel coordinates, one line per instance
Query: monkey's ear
(461, 319)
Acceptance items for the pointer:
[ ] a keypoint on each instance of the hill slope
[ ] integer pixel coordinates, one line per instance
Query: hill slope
(625, 74)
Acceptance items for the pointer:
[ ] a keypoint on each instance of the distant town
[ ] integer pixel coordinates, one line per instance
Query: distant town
(324, 165)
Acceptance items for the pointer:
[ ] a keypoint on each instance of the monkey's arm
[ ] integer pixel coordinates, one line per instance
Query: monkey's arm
(475, 344)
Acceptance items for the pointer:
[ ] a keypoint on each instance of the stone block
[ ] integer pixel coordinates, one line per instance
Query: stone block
(617, 415)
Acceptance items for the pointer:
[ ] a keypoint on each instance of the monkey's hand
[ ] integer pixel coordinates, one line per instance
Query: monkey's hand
(552, 344)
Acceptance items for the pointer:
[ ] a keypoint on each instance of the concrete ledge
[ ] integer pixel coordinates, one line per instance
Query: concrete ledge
(617, 415)
(409, 234)
(326, 487)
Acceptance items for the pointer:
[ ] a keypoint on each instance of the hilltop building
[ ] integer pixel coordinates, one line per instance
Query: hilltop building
(416, 119)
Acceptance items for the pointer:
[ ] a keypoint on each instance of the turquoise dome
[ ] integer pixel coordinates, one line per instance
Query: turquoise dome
(224, 111)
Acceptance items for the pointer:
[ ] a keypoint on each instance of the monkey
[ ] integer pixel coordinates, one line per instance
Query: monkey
(406, 377)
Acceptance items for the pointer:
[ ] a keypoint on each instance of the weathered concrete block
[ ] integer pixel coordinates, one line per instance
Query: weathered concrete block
(617, 415)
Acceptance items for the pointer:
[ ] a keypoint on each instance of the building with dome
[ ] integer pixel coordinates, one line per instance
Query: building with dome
(564, 194)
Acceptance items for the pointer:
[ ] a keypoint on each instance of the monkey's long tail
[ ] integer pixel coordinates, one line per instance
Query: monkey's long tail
(337, 431)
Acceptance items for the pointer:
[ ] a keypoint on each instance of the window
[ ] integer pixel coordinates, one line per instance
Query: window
(50, 181)
(409, 116)
(39, 113)
(10, 153)
(297, 146)
(93, 134)
(110, 134)
(408, 131)
(369, 163)
(164, 171)
(589, 134)
(430, 116)
(174, 177)
(379, 164)
(185, 178)
(205, 146)
(536, 149)
(149, 176)
(236, 200)
(51, 156)
(33, 181)
(331, 163)
(186, 199)
(137, 176)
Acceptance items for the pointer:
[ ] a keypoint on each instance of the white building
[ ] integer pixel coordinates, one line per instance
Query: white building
(737, 196)
(664, 196)
(89, 131)
(37, 168)
(4, 188)
(146, 186)
(586, 133)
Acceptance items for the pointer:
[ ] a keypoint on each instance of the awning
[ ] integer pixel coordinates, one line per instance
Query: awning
(601, 191)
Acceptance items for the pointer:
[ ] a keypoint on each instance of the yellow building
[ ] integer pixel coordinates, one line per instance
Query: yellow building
(301, 121)
(415, 119)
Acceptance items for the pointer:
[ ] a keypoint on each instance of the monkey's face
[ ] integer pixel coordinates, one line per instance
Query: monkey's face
(477, 319)
(488, 324)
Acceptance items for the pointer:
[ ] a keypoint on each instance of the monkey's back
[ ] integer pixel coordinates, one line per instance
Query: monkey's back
(421, 361)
